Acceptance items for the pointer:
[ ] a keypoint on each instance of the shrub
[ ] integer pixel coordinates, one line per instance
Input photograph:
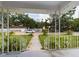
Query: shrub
(11, 33)
(69, 32)
(31, 34)
(44, 31)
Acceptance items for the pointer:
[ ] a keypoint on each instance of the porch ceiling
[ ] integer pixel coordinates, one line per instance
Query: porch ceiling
(35, 6)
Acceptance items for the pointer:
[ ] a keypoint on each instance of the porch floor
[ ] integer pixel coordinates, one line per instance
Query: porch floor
(42, 53)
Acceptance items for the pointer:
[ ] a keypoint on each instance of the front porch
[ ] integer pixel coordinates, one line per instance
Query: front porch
(53, 43)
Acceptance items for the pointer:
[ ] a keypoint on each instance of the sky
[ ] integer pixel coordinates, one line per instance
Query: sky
(38, 17)
(76, 15)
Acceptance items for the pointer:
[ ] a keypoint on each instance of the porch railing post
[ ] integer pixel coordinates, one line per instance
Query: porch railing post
(77, 41)
(7, 30)
(55, 32)
(20, 45)
(59, 30)
(64, 41)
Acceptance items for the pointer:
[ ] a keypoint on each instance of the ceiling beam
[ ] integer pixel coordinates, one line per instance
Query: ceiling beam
(69, 6)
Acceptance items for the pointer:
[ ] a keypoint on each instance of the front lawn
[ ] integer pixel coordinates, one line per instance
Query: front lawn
(16, 43)
(66, 41)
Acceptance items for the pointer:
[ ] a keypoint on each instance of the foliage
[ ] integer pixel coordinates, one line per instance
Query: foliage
(45, 27)
(76, 24)
(11, 33)
(15, 41)
(42, 38)
(45, 31)
(31, 34)
(21, 20)
(69, 32)
(66, 21)
(67, 43)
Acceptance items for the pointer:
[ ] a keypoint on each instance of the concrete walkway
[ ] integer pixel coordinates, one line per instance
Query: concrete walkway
(34, 48)
(74, 52)
(34, 43)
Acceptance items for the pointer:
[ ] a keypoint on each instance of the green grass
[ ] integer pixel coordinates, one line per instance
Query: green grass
(66, 41)
(16, 41)
(42, 38)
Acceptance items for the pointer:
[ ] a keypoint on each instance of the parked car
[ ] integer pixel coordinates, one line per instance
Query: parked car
(30, 31)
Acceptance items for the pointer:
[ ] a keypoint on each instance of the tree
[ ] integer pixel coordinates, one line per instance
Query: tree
(76, 24)
(21, 20)
(67, 20)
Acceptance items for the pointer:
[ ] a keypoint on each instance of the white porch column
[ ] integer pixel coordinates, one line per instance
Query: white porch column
(59, 26)
(2, 30)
